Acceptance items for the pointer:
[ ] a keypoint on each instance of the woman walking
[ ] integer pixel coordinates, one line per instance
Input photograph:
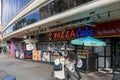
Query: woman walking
(59, 74)
(71, 65)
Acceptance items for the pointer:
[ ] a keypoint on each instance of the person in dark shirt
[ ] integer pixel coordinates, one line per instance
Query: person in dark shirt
(4, 49)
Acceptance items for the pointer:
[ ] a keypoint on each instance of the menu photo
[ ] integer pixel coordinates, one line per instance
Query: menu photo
(27, 54)
(36, 55)
(46, 56)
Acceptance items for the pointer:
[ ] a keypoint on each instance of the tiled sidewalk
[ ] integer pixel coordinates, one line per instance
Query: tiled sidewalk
(28, 70)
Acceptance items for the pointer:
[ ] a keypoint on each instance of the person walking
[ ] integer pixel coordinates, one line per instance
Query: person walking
(59, 74)
(0, 49)
(71, 66)
(4, 49)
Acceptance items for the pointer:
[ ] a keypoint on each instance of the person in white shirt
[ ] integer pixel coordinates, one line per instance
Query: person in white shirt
(70, 62)
(70, 65)
(59, 74)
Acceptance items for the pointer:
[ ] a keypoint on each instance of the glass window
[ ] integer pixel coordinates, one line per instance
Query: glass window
(50, 9)
(9, 30)
(11, 8)
(32, 17)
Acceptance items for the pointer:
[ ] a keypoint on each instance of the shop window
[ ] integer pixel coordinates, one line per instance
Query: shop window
(44, 12)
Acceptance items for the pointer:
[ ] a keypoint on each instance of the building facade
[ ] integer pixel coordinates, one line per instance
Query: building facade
(37, 23)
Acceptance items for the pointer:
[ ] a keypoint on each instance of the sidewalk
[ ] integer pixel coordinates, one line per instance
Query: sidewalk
(29, 70)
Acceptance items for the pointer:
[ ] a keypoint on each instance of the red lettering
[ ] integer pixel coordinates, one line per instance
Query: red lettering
(67, 34)
(56, 35)
(72, 34)
(62, 34)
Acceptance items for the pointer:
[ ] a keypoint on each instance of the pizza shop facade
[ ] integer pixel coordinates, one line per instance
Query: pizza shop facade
(109, 32)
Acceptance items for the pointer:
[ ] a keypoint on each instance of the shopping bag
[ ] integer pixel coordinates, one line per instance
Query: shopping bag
(58, 67)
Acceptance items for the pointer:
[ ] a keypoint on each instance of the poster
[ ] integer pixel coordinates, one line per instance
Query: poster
(36, 55)
(21, 55)
(17, 54)
(46, 56)
(79, 63)
(28, 54)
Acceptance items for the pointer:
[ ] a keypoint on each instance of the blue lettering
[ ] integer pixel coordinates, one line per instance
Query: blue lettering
(78, 32)
(84, 32)
(91, 32)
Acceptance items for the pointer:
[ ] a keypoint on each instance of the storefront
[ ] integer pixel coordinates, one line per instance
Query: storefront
(108, 32)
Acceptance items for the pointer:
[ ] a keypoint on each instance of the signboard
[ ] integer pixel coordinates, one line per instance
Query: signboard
(36, 55)
(101, 30)
(70, 33)
(28, 54)
(46, 56)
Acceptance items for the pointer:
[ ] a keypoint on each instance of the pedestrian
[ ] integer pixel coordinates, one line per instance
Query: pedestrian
(0, 49)
(70, 66)
(4, 49)
(59, 74)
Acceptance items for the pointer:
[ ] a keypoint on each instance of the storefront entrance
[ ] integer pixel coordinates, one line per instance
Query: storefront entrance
(104, 56)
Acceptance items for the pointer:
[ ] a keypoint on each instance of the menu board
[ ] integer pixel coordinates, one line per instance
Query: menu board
(46, 56)
(36, 55)
(28, 54)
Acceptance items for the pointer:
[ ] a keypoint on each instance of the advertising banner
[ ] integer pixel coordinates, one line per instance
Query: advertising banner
(28, 54)
(46, 56)
(36, 55)
(21, 55)
(17, 54)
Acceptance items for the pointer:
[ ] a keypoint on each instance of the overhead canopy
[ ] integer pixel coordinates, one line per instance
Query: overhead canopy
(88, 41)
